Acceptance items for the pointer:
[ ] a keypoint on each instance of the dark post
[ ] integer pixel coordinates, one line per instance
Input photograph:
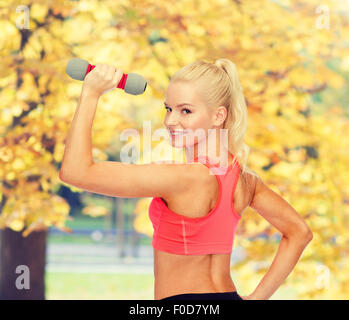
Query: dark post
(22, 265)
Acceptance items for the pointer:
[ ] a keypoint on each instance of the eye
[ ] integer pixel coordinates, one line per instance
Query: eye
(188, 111)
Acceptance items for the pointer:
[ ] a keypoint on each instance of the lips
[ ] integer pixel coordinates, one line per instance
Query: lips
(178, 132)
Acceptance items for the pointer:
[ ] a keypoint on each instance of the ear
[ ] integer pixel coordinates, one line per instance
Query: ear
(219, 116)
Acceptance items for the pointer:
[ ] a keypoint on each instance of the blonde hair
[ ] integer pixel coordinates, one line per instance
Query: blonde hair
(219, 84)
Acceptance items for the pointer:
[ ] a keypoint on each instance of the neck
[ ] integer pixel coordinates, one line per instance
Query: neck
(214, 146)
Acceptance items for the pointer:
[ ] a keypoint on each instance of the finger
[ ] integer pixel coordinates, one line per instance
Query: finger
(97, 70)
(110, 72)
(117, 77)
(98, 67)
(104, 70)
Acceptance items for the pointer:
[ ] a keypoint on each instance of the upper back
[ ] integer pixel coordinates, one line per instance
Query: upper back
(205, 192)
(204, 219)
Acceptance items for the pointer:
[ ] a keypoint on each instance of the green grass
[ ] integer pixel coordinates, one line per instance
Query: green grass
(97, 286)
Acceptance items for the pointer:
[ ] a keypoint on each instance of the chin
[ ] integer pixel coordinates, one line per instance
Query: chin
(183, 144)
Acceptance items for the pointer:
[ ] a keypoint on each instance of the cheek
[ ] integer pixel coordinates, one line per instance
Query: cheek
(197, 122)
(199, 126)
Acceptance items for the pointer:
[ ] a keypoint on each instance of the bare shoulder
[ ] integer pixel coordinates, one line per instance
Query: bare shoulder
(260, 188)
(184, 175)
(248, 183)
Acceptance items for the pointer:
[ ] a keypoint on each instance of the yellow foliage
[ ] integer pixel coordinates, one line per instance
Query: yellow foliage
(11, 41)
(95, 211)
(38, 12)
(142, 223)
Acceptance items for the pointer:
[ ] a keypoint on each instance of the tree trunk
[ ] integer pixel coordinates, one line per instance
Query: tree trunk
(22, 265)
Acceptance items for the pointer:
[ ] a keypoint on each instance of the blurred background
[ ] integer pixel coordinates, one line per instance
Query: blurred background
(293, 63)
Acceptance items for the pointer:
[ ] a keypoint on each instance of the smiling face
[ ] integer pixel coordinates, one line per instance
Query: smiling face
(185, 110)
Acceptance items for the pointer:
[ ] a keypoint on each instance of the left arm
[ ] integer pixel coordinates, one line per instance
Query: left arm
(287, 256)
(295, 237)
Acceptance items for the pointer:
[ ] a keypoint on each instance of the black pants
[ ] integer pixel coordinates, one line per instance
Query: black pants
(233, 295)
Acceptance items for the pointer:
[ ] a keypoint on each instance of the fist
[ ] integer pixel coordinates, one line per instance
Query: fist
(102, 79)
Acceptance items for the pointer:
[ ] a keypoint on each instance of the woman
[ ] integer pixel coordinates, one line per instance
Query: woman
(196, 205)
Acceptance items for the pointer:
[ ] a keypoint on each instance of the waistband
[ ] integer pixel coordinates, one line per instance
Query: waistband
(233, 295)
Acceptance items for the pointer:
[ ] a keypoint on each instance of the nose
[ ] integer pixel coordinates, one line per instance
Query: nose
(171, 119)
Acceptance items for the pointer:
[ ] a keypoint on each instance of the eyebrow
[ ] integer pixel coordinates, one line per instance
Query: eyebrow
(180, 105)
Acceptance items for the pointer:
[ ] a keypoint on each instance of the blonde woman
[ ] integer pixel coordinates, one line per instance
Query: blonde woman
(196, 206)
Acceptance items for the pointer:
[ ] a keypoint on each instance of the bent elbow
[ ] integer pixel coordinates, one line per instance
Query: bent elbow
(303, 234)
(306, 237)
(62, 176)
(66, 177)
(307, 233)
(309, 236)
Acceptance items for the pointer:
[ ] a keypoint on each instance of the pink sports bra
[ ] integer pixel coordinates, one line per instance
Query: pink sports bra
(211, 234)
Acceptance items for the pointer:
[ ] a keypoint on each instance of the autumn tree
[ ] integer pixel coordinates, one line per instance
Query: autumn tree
(38, 102)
